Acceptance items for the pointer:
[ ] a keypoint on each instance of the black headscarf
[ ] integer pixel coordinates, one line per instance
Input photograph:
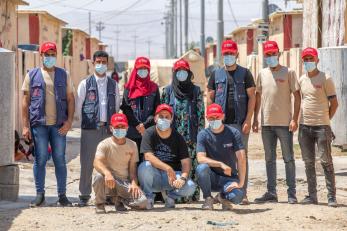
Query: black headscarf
(183, 90)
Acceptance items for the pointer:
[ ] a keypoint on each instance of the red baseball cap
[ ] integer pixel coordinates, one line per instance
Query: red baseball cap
(270, 46)
(142, 62)
(181, 64)
(48, 46)
(214, 110)
(119, 119)
(309, 51)
(229, 46)
(164, 107)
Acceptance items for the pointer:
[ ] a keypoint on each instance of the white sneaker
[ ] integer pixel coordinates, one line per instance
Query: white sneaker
(150, 204)
(169, 203)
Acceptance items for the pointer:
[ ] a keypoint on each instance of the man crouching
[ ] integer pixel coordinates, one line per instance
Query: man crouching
(222, 161)
(116, 162)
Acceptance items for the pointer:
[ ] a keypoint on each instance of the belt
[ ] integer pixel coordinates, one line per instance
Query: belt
(101, 124)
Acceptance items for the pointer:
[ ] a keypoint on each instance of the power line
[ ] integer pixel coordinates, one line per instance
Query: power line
(232, 13)
(100, 27)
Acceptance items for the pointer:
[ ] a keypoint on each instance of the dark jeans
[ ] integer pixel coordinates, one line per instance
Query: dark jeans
(245, 138)
(309, 137)
(270, 135)
(44, 135)
(209, 181)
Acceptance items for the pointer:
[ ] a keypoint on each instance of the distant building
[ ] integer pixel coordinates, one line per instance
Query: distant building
(39, 26)
(8, 23)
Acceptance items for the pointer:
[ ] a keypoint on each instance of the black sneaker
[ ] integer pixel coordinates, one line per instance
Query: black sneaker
(39, 200)
(63, 201)
(292, 200)
(267, 197)
(119, 206)
(83, 202)
(308, 200)
(332, 202)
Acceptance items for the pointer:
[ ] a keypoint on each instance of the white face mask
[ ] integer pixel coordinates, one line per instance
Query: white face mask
(215, 124)
(119, 133)
(143, 73)
(163, 124)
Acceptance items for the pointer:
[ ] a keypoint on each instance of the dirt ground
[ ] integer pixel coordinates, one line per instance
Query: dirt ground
(274, 216)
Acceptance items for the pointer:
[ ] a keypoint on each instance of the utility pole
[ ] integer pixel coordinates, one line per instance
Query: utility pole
(167, 50)
(265, 16)
(135, 37)
(176, 26)
(202, 36)
(220, 31)
(186, 4)
(172, 29)
(181, 26)
(149, 47)
(90, 23)
(100, 27)
(117, 40)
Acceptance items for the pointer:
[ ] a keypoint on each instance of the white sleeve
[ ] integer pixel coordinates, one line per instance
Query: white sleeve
(81, 95)
(117, 98)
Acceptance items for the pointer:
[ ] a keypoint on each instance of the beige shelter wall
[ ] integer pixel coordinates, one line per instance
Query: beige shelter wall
(8, 25)
(94, 46)
(23, 29)
(241, 39)
(297, 30)
(276, 31)
(50, 30)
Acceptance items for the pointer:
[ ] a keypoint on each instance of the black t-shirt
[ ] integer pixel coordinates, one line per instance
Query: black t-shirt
(221, 147)
(170, 150)
(230, 111)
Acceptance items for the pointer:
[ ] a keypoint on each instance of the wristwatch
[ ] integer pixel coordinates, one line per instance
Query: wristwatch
(183, 178)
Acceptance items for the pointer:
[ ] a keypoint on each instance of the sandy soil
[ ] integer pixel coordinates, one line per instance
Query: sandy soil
(279, 216)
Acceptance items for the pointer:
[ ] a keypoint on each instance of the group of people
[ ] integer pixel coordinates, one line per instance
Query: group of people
(160, 144)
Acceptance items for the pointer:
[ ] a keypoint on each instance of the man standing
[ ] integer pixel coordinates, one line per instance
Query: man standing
(167, 163)
(222, 161)
(233, 87)
(48, 109)
(98, 100)
(275, 85)
(319, 105)
(116, 163)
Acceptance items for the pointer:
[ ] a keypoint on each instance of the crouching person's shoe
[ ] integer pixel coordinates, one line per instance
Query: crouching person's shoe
(38, 201)
(208, 204)
(169, 203)
(100, 209)
(226, 204)
(267, 197)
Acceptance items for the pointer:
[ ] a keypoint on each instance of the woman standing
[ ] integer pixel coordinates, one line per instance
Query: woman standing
(140, 99)
(187, 102)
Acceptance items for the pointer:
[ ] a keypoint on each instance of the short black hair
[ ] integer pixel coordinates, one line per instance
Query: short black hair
(100, 54)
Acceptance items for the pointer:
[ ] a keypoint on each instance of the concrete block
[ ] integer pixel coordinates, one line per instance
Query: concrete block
(7, 93)
(9, 182)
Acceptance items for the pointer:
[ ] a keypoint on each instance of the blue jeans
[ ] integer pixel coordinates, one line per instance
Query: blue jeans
(270, 135)
(155, 180)
(44, 135)
(209, 181)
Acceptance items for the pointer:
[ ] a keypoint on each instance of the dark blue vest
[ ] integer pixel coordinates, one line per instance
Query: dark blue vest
(38, 97)
(90, 107)
(240, 93)
(191, 110)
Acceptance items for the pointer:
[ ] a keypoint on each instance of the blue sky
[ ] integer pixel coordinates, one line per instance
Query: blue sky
(146, 17)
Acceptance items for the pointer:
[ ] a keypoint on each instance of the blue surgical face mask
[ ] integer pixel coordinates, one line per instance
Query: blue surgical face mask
(182, 75)
(272, 61)
(229, 60)
(119, 133)
(310, 66)
(215, 124)
(100, 68)
(163, 124)
(49, 61)
(143, 73)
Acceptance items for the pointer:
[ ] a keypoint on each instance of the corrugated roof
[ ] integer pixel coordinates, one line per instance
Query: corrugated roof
(43, 12)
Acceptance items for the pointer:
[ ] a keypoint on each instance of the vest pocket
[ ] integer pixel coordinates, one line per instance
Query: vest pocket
(61, 91)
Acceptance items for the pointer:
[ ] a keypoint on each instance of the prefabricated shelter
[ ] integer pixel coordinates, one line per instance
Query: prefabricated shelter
(286, 29)
(39, 26)
(75, 50)
(8, 23)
